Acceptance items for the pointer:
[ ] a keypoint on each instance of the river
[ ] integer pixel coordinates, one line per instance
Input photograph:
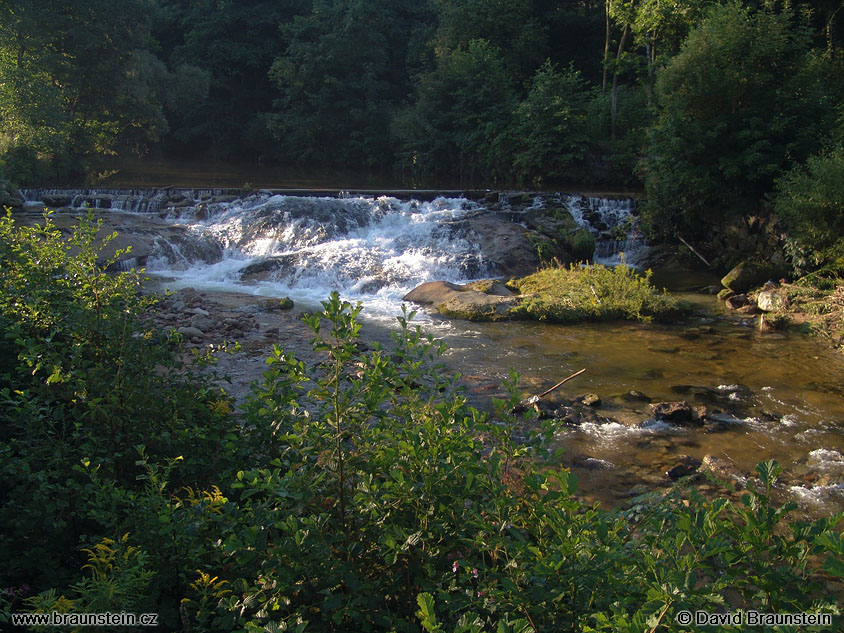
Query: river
(771, 395)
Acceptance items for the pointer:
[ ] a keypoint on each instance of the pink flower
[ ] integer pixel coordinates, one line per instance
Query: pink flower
(455, 566)
(475, 572)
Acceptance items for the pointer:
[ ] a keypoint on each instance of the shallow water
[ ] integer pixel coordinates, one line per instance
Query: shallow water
(782, 395)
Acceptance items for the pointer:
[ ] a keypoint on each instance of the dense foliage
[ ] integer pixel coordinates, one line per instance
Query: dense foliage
(357, 493)
(705, 104)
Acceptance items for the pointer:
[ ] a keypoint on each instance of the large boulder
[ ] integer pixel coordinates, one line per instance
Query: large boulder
(673, 412)
(747, 275)
(505, 245)
(433, 292)
(486, 300)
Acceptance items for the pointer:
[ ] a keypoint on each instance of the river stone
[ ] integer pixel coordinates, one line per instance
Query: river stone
(433, 292)
(737, 301)
(769, 301)
(686, 466)
(273, 305)
(505, 245)
(477, 306)
(673, 412)
(747, 275)
(486, 300)
(590, 400)
(722, 469)
(191, 332)
(634, 396)
(201, 322)
(725, 294)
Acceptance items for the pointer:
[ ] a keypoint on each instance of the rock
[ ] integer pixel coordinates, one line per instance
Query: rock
(201, 322)
(722, 469)
(673, 412)
(191, 332)
(725, 294)
(505, 244)
(491, 287)
(55, 201)
(747, 275)
(749, 308)
(737, 301)
(634, 396)
(199, 312)
(486, 300)
(274, 305)
(769, 301)
(685, 467)
(477, 306)
(544, 410)
(433, 292)
(589, 400)
(711, 290)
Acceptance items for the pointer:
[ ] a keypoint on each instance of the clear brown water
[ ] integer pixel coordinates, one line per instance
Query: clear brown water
(784, 391)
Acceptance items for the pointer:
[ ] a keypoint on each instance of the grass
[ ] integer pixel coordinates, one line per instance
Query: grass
(571, 294)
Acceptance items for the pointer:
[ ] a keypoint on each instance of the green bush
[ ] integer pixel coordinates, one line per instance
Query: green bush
(593, 293)
(581, 245)
(811, 201)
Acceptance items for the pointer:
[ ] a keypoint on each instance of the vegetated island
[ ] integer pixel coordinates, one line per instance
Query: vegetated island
(556, 293)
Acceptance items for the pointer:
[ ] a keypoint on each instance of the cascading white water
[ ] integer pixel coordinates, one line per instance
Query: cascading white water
(615, 227)
(372, 250)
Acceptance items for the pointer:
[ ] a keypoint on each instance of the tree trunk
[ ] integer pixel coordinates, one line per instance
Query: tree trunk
(606, 46)
(614, 111)
(650, 54)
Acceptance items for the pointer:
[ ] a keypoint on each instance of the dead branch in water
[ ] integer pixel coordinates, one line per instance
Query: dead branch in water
(559, 384)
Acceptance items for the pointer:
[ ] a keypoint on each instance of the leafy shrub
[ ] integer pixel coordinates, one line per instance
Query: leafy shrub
(581, 245)
(593, 292)
(811, 201)
(82, 383)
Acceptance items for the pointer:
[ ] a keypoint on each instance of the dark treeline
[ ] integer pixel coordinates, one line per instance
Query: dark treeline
(706, 104)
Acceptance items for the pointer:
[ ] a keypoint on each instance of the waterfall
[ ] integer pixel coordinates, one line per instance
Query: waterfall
(372, 249)
(614, 224)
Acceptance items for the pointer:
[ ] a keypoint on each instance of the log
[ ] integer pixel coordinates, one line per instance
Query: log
(692, 249)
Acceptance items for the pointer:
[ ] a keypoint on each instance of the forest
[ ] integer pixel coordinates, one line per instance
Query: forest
(717, 110)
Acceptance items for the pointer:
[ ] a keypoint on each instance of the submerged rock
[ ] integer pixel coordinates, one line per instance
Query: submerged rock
(685, 467)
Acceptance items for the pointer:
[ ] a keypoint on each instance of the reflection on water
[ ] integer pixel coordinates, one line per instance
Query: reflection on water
(781, 395)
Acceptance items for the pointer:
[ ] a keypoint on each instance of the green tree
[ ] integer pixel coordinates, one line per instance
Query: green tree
(77, 80)
(550, 128)
(233, 44)
(737, 104)
(458, 124)
(340, 78)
